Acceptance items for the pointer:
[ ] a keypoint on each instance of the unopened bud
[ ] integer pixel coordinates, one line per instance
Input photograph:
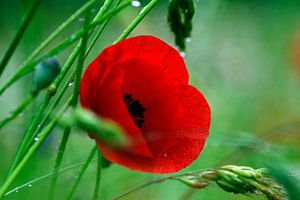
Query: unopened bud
(180, 15)
(104, 130)
(44, 73)
(194, 182)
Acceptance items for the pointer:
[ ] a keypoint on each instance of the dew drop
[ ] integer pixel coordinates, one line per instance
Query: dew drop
(136, 3)
(36, 138)
(292, 174)
(81, 19)
(182, 54)
(73, 36)
(17, 189)
(71, 83)
(29, 185)
(165, 154)
(188, 39)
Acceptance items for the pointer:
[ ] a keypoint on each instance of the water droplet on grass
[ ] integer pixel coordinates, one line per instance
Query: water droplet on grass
(292, 174)
(29, 185)
(182, 54)
(73, 36)
(188, 39)
(136, 3)
(36, 138)
(71, 83)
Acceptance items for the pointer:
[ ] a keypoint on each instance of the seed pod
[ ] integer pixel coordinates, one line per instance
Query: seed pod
(44, 73)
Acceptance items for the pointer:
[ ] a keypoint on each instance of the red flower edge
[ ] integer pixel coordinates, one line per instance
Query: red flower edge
(142, 84)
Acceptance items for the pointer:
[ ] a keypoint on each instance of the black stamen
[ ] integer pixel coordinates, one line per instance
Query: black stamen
(135, 108)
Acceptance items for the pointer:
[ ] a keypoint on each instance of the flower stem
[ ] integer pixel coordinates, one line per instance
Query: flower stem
(137, 20)
(58, 162)
(18, 110)
(98, 176)
(26, 137)
(101, 29)
(33, 149)
(18, 36)
(29, 62)
(49, 112)
(62, 45)
(43, 177)
(82, 170)
(51, 92)
(67, 131)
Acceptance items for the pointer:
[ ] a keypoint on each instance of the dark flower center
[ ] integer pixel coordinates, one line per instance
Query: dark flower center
(135, 108)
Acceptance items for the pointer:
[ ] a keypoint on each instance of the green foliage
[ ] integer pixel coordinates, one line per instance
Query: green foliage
(239, 58)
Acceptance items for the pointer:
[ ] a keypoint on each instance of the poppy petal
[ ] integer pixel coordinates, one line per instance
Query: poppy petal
(142, 84)
(180, 141)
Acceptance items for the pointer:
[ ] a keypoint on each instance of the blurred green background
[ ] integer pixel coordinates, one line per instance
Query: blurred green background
(241, 57)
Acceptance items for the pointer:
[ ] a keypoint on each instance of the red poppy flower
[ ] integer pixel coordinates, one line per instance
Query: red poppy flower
(142, 84)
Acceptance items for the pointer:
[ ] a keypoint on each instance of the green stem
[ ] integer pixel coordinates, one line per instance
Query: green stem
(62, 45)
(62, 27)
(29, 62)
(38, 179)
(98, 176)
(99, 33)
(58, 162)
(158, 180)
(82, 170)
(51, 91)
(18, 110)
(137, 20)
(33, 149)
(18, 36)
(26, 137)
(49, 112)
(80, 64)
(101, 29)
(74, 103)
(98, 19)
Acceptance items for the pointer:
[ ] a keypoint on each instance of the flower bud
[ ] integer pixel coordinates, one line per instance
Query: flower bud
(180, 15)
(104, 130)
(210, 175)
(194, 182)
(44, 73)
